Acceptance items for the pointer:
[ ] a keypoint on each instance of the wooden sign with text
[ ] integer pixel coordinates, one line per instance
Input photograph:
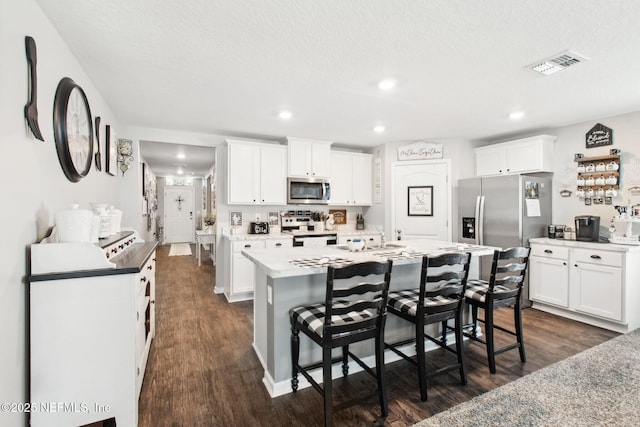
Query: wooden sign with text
(598, 136)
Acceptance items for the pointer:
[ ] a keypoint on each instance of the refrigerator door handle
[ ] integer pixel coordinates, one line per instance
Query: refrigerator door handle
(480, 217)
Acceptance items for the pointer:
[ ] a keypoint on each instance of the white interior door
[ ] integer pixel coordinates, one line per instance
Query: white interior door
(178, 214)
(421, 200)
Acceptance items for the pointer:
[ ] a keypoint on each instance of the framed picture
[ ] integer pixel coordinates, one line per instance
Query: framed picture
(420, 201)
(587, 201)
(111, 151)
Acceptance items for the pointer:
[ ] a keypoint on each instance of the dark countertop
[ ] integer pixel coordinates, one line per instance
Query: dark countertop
(130, 261)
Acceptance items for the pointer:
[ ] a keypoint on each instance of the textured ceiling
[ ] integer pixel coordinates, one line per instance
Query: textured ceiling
(228, 67)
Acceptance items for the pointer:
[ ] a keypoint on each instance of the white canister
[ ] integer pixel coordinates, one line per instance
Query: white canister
(95, 228)
(74, 225)
(116, 219)
(105, 219)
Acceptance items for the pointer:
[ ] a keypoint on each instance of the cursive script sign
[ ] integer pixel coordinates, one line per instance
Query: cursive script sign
(420, 151)
(598, 136)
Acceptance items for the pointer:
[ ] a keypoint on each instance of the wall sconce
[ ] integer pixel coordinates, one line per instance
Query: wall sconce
(125, 154)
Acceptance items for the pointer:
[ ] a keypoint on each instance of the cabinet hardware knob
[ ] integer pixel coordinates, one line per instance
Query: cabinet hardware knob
(548, 251)
(596, 257)
(143, 279)
(137, 315)
(150, 267)
(575, 265)
(564, 263)
(153, 301)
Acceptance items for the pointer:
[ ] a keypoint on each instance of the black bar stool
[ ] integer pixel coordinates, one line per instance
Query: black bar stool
(504, 289)
(349, 314)
(447, 273)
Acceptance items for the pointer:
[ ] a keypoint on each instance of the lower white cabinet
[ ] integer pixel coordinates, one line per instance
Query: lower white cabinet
(239, 271)
(90, 337)
(596, 283)
(549, 275)
(591, 282)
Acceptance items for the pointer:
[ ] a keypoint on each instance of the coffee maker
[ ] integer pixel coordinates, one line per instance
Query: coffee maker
(587, 228)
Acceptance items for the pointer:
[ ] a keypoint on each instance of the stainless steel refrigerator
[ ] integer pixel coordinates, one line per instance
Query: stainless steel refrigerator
(504, 211)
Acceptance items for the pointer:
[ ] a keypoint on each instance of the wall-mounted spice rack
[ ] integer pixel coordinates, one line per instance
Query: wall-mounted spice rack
(598, 178)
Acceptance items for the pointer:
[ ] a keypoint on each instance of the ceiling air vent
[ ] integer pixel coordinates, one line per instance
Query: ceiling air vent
(557, 62)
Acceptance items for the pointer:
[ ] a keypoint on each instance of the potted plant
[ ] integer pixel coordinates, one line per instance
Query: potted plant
(209, 220)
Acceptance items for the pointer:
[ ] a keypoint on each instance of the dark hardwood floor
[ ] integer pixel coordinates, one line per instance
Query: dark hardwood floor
(202, 370)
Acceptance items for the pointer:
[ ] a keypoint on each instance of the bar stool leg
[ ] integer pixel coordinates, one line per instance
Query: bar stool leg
(295, 355)
(459, 346)
(327, 383)
(345, 361)
(382, 387)
(422, 369)
(488, 323)
(517, 313)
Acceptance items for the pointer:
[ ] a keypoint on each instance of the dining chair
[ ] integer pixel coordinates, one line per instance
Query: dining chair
(503, 289)
(354, 310)
(438, 299)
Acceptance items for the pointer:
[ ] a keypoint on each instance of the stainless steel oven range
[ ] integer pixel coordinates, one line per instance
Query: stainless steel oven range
(299, 224)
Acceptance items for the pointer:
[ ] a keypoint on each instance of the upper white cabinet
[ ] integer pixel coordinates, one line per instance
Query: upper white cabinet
(309, 158)
(351, 181)
(256, 173)
(534, 154)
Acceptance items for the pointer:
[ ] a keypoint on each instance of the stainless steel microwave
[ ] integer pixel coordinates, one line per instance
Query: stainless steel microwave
(308, 191)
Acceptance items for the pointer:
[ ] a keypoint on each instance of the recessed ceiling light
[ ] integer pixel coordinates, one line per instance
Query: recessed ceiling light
(387, 84)
(181, 155)
(516, 115)
(285, 115)
(379, 129)
(180, 171)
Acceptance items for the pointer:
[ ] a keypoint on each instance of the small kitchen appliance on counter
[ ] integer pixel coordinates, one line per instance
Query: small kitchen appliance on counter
(259, 228)
(587, 228)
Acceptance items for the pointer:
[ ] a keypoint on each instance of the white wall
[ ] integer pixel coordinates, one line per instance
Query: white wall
(34, 186)
(571, 140)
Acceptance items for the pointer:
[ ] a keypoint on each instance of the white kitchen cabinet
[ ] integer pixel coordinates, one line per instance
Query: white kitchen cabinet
(91, 329)
(256, 173)
(534, 154)
(597, 287)
(549, 275)
(239, 271)
(596, 283)
(309, 158)
(351, 178)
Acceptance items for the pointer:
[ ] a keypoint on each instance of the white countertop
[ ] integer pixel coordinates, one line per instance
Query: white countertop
(586, 245)
(279, 263)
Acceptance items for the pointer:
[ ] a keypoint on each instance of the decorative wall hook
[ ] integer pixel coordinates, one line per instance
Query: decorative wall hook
(125, 154)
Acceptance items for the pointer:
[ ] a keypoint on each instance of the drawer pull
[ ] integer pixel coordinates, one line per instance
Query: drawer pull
(548, 251)
(247, 245)
(278, 244)
(137, 315)
(143, 279)
(596, 257)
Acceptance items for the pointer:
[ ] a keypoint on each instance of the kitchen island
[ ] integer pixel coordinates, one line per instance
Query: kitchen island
(292, 277)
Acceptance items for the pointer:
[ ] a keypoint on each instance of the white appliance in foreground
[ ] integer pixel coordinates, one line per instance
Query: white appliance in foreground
(504, 211)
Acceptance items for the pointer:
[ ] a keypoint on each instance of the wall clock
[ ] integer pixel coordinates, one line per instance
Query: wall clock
(72, 130)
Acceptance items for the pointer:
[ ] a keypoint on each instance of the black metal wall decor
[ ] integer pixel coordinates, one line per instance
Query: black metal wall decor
(598, 136)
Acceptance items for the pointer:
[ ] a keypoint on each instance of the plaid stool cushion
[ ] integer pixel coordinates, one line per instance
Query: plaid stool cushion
(407, 301)
(477, 289)
(312, 316)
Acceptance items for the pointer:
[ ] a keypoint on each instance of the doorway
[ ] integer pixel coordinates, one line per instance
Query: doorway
(421, 200)
(178, 214)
